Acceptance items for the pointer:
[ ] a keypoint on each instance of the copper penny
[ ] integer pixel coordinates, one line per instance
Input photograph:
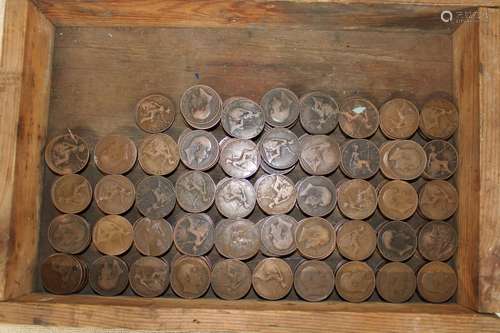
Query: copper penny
(279, 148)
(358, 118)
(201, 106)
(437, 241)
(159, 154)
(114, 194)
(318, 112)
(360, 158)
(397, 241)
(315, 238)
(199, 150)
(263, 248)
(272, 278)
(313, 280)
(71, 194)
(190, 276)
(316, 195)
(113, 235)
(281, 107)
(276, 194)
(237, 239)
(442, 160)
(194, 234)
(396, 282)
(149, 276)
(438, 119)
(108, 276)
(155, 113)
(397, 200)
(403, 159)
(319, 154)
(152, 237)
(438, 200)
(231, 279)
(357, 199)
(436, 282)
(277, 234)
(69, 233)
(356, 240)
(63, 274)
(66, 154)
(235, 198)
(399, 118)
(355, 281)
(195, 191)
(242, 118)
(239, 158)
(115, 154)
(155, 197)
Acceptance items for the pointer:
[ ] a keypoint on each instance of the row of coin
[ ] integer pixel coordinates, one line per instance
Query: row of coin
(231, 279)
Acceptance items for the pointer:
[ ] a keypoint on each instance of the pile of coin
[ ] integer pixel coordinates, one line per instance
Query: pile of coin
(261, 141)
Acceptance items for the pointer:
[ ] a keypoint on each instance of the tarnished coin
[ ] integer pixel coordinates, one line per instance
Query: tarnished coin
(399, 118)
(438, 200)
(272, 278)
(277, 235)
(231, 279)
(397, 200)
(403, 159)
(315, 238)
(113, 235)
(271, 171)
(194, 234)
(360, 158)
(396, 282)
(155, 197)
(276, 194)
(158, 154)
(190, 276)
(355, 281)
(438, 119)
(316, 195)
(239, 158)
(318, 113)
(281, 107)
(155, 113)
(237, 239)
(69, 233)
(63, 274)
(114, 194)
(357, 199)
(313, 280)
(279, 148)
(195, 191)
(436, 282)
(235, 198)
(397, 241)
(242, 118)
(319, 154)
(201, 107)
(152, 237)
(115, 154)
(442, 160)
(199, 150)
(356, 240)
(358, 118)
(149, 276)
(71, 194)
(437, 241)
(108, 276)
(66, 154)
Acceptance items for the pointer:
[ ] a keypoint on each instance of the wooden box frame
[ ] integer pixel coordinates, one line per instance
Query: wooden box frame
(25, 73)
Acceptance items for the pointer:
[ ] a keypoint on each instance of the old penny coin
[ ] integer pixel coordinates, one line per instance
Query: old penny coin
(272, 278)
(277, 235)
(152, 237)
(318, 113)
(235, 198)
(438, 119)
(397, 241)
(442, 159)
(195, 191)
(155, 197)
(69, 233)
(242, 118)
(276, 194)
(190, 276)
(279, 148)
(357, 199)
(231, 279)
(159, 154)
(319, 154)
(199, 150)
(313, 280)
(399, 118)
(194, 234)
(201, 107)
(239, 158)
(403, 159)
(108, 276)
(155, 113)
(397, 200)
(358, 118)
(437, 241)
(315, 238)
(63, 274)
(115, 154)
(237, 239)
(360, 158)
(356, 240)
(114, 194)
(438, 200)
(66, 154)
(281, 107)
(71, 194)
(396, 282)
(316, 195)
(113, 235)
(149, 276)
(436, 282)
(355, 281)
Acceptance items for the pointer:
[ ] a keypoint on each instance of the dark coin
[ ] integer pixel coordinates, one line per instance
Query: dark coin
(438, 119)
(201, 107)
(155, 197)
(277, 234)
(194, 234)
(239, 158)
(152, 237)
(356, 240)
(357, 199)
(319, 154)
(318, 113)
(436, 282)
(279, 148)
(231, 279)
(155, 113)
(281, 107)
(399, 118)
(190, 276)
(242, 118)
(403, 159)
(316, 196)
(159, 154)
(438, 200)
(66, 154)
(397, 241)
(315, 238)
(149, 276)
(313, 280)
(437, 241)
(360, 158)
(272, 278)
(237, 239)
(71, 194)
(235, 198)
(69, 233)
(108, 276)
(63, 274)
(442, 160)
(276, 194)
(358, 118)
(355, 281)
(113, 235)
(115, 154)
(195, 191)
(199, 150)
(114, 194)
(397, 200)
(396, 282)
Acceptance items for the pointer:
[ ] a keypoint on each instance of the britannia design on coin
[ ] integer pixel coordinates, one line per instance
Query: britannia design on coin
(239, 158)
(201, 107)
(397, 241)
(108, 276)
(318, 113)
(277, 234)
(355, 281)
(315, 238)
(316, 195)
(71, 194)
(115, 154)
(149, 276)
(397, 200)
(356, 240)
(357, 199)
(235, 198)
(242, 118)
(436, 282)
(190, 276)
(437, 241)
(279, 148)
(438, 200)
(155, 113)
(272, 278)
(276, 194)
(358, 118)
(114, 194)
(199, 150)
(360, 158)
(237, 239)
(313, 280)
(442, 159)
(403, 159)
(152, 237)
(438, 119)
(319, 154)
(155, 197)
(281, 107)
(69, 233)
(67, 153)
(159, 154)
(195, 191)
(113, 235)
(399, 118)
(194, 234)
(396, 282)
(231, 279)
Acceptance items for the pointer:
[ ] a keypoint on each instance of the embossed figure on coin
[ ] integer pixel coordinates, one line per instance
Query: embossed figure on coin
(237, 239)
(155, 197)
(152, 237)
(358, 118)
(194, 234)
(403, 159)
(442, 160)
(67, 153)
(108, 276)
(115, 154)
(319, 154)
(318, 113)
(397, 241)
(199, 150)
(190, 277)
(69, 233)
(239, 158)
(438, 200)
(114, 194)
(399, 118)
(195, 191)
(396, 282)
(276, 194)
(316, 195)
(313, 280)
(281, 107)
(149, 276)
(357, 199)
(437, 241)
(280, 148)
(113, 235)
(71, 194)
(201, 107)
(315, 238)
(438, 119)
(235, 198)
(231, 279)
(158, 154)
(360, 158)
(277, 235)
(397, 200)
(436, 282)
(155, 113)
(356, 240)
(242, 118)
(355, 281)
(272, 278)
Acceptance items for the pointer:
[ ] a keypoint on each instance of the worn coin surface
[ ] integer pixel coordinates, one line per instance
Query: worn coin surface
(158, 154)
(155, 197)
(190, 276)
(279, 148)
(281, 107)
(114, 194)
(149, 276)
(108, 276)
(242, 118)
(231, 279)
(355, 281)
(271, 171)
(201, 106)
(319, 154)
(155, 113)
(438, 119)
(239, 158)
(235, 198)
(356, 240)
(63, 274)
(357, 199)
(194, 234)
(277, 235)
(318, 112)
(437, 241)
(152, 237)
(313, 280)
(399, 118)
(272, 278)
(438, 200)
(358, 118)
(403, 159)
(237, 239)
(442, 159)
(397, 200)
(71, 194)
(66, 154)
(115, 154)
(316, 195)
(276, 194)
(397, 241)
(360, 158)
(195, 191)
(69, 233)
(199, 150)
(396, 282)
(436, 282)
(113, 235)
(315, 238)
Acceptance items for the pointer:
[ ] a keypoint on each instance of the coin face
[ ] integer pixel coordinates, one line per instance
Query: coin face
(313, 280)
(71, 194)
(66, 154)
(397, 200)
(195, 191)
(319, 154)
(237, 239)
(155, 113)
(403, 159)
(69, 233)
(239, 158)
(399, 118)
(277, 235)
(235, 198)
(357, 199)
(149, 276)
(152, 237)
(356, 240)
(112, 235)
(158, 154)
(190, 277)
(360, 158)
(231, 279)
(194, 234)
(281, 107)
(397, 241)
(318, 113)
(442, 160)
(201, 107)
(436, 282)
(438, 200)
(279, 148)
(396, 282)
(242, 118)
(358, 118)
(115, 154)
(272, 278)
(316, 195)
(108, 276)
(355, 281)
(437, 241)
(315, 238)
(438, 119)
(155, 197)
(199, 150)
(114, 194)
(62, 274)
(276, 194)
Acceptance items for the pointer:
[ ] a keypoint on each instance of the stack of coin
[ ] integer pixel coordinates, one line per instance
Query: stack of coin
(195, 191)
(66, 154)
(397, 241)
(155, 113)
(113, 235)
(235, 198)
(442, 159)
(315, 238)
(279, 149)
(239, 158)
(276, 194)
(115, 154)
(436, 282)
(396, 282)
(231, 279)
(316, 195)
(402, 159)
(319, 154)
(69, 233)
(149, 276)
(194, 234)
(158, 154)
(438, 119)
(313, 280)
(190, 276)
(355, 281)
(272, 278)
(237, 239)
(71, 194)
(318, 113)
(358, 118)
(438, 200)
(281, 107)
(63, 274)
(201, 107)
(437, 241)
(198, 150)
(399, 118)
(277, 235)
(108, 276)
(242, 118)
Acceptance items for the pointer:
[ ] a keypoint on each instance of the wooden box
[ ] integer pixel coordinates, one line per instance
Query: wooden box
(416, 47)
